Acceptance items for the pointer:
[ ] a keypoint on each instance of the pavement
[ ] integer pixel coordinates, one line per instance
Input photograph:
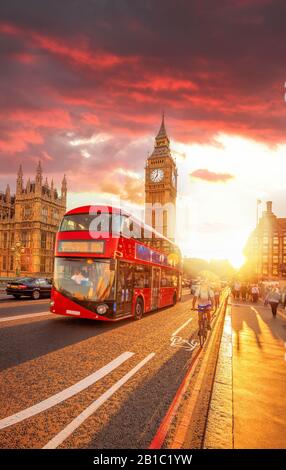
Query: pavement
(248, 404)
(76, 383)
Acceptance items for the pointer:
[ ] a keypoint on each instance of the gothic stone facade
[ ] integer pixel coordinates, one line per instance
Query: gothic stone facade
(161, 186)
(29, 221)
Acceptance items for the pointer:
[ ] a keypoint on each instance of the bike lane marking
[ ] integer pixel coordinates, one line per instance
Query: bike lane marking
(76, 422)
(66, 393)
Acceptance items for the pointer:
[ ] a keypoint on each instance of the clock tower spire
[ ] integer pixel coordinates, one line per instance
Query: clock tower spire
(161, 186)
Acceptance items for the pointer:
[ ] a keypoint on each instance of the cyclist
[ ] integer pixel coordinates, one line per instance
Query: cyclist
(205, 298)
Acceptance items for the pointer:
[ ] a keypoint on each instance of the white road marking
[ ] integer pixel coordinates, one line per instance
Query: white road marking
(75, 423)
(181, 327)
(28, 315)
(65, 394)
(183, 343)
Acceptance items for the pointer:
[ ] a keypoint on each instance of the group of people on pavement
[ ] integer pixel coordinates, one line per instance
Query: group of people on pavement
(245, 291)
(270, 293)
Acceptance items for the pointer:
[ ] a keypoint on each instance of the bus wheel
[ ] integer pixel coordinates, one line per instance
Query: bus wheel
(138, 309)
(174, 299)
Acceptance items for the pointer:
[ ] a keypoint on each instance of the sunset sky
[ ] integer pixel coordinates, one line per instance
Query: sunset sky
(83, 85)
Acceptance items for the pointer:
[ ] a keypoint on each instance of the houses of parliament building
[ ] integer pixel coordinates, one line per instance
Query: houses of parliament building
(29, 220)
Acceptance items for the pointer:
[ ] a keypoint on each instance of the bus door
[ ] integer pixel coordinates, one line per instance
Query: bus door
(124, 288)
(155, 288)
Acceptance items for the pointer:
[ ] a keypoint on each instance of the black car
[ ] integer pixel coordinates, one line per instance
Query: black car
(29, 287)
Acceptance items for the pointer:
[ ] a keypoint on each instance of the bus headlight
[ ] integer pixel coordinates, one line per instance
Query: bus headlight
(52, 303)
(102, 309)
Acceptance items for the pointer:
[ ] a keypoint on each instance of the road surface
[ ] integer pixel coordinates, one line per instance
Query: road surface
(71, 383)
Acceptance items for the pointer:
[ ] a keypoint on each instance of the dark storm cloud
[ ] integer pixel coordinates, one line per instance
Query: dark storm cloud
(77, 69)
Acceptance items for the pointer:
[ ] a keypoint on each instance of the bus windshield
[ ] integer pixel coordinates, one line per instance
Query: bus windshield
(85, 279)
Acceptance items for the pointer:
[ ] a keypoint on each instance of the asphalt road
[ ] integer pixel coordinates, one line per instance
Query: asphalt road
(96, 385)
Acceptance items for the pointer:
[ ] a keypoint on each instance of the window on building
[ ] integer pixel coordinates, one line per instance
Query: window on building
(25, 238)
(24, 263)
(275, 259)
(43, 240)
(43, 264)
(55, 215)
(45, 214)
(265, 258)
(4, 263)
(53, 241)
(275, 240)
(27, 212)
(5, 240)
(12, 263)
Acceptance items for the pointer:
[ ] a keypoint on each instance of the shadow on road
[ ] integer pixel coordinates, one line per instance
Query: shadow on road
(248, 316)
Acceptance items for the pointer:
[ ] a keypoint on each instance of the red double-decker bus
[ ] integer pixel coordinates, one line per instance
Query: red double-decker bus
(110, 266)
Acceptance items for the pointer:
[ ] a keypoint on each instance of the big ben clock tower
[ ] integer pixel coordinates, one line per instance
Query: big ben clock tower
(161, 186)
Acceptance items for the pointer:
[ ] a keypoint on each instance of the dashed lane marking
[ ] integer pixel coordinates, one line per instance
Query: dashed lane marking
(23, 317)
(65, 394)
(75, 423)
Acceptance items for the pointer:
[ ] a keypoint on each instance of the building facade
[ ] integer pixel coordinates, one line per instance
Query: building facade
(266, 247)
(161, 186)
(29, 220)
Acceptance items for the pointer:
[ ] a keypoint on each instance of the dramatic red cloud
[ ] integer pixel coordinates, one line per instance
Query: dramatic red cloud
(211, 176)
(17, 141)
(75, 71)
(24, 58)
(83, 55)
(51, 118)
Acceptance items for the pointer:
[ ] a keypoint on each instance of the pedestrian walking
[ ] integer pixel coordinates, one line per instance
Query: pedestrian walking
(255, 293)
(248, 292)
(273, 298)
(237, 290)
(243, 291)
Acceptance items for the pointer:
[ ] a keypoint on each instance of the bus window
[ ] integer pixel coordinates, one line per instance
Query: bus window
(142, 276)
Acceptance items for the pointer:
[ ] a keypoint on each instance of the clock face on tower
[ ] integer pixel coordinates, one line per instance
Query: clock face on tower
(157, 175)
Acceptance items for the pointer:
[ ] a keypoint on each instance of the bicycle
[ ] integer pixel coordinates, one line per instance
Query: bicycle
(203, 323)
